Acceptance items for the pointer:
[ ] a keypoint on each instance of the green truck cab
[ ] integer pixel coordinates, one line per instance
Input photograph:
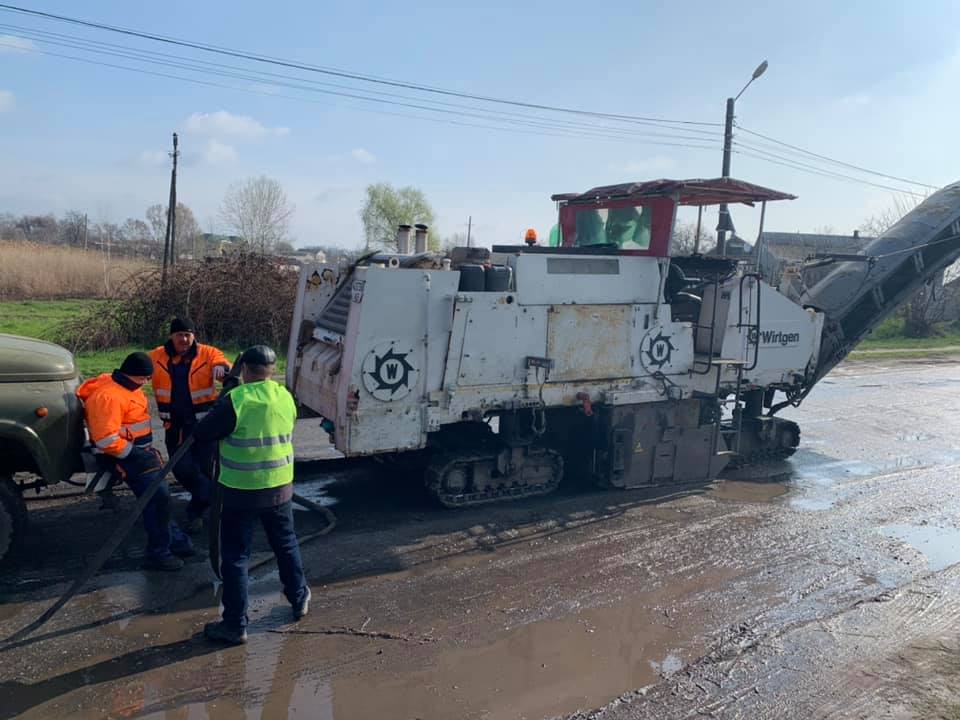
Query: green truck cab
(41, 426)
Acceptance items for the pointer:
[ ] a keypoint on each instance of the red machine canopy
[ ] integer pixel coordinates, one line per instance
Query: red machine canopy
(689, 192)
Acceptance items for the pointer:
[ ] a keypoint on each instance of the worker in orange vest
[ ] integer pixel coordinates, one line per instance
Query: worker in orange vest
(184, 384)
(118, 420)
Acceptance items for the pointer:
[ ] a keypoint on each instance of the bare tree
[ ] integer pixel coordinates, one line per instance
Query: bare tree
(157, 219)
(188, 229)
(73, 227)
(258, 211)
(137, 236)
(458, 239)
(684, 239)
(39, 228)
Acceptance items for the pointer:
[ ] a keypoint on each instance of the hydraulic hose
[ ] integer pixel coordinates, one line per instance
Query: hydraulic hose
(108, 548)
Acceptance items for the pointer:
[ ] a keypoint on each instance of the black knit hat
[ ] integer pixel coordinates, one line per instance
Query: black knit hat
(258, 355)
(138, 363)
(182, 325)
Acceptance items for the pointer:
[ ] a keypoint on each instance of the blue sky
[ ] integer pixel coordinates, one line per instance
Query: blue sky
(869, 83)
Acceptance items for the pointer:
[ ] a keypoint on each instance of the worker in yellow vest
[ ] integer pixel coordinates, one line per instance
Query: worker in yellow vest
(254, 424)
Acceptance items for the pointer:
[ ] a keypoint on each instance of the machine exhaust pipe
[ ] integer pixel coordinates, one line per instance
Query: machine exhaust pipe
(403, 240)
(421, 238)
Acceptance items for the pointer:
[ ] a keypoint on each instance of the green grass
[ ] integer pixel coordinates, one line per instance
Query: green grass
(899, 343)
(42, 319)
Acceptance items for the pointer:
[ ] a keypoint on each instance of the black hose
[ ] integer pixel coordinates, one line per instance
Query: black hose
(113, 542)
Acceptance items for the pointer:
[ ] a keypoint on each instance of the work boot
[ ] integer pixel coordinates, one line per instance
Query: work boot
(183, 551)
(167, 562)
(302, 607)
(180, 543)
(221, 632)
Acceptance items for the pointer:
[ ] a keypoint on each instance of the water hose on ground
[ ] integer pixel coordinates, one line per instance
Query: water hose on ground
(127, 523)
(109, 547)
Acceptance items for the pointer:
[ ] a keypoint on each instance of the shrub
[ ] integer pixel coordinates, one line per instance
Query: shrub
(239, 300)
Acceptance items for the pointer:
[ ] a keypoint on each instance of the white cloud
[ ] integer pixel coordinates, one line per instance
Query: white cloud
(218, 153)
(236, 126)
(14, 44)
(6, 100)
(363, 156)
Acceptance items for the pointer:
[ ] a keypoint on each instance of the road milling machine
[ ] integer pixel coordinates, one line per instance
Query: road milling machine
(603, 357)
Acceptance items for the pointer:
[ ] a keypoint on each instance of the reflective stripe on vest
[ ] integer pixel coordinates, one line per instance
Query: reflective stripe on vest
(258, 454)
(257, 442)
(137, 427)
(107, 441)
(203, 392)
(262, 465)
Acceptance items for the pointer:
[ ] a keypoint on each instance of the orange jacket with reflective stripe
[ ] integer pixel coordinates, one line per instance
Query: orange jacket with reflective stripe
(117, 417)
(203, 392)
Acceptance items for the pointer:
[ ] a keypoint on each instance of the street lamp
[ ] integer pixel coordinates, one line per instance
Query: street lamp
(724, 222)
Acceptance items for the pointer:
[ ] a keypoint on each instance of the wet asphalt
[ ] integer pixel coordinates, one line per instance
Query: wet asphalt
(823, 586)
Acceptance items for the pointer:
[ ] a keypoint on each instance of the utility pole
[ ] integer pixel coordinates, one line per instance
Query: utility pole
(170, 241)
(469, 224)
(724, 220)
(84, 231)
(725, 223)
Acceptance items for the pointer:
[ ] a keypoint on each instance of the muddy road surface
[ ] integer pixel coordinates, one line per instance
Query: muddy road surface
(826, 586)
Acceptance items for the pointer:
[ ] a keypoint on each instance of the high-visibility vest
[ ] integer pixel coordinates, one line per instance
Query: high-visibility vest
(258, 454)
(203, 392)
(117, 418)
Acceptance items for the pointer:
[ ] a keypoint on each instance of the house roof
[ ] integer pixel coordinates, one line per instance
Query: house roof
(690, 192)
(796, 246)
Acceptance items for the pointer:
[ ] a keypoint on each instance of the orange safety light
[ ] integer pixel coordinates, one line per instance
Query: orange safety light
(530, 238)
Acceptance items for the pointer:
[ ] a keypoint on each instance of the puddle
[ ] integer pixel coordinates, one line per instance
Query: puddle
(941, 546)
(538, 670)
(742, 491)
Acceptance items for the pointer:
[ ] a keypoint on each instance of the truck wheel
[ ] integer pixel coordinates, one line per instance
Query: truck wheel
(13, 515)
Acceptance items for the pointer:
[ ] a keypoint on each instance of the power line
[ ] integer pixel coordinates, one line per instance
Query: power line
(254, 57)
(835, 161)
(795, 165)
(564, 128)
(283, 80)
(569, 134)
(101, 47)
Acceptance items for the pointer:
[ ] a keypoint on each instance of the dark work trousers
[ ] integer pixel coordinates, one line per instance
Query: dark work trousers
(162, 535)
(236, 538)
(194, 469)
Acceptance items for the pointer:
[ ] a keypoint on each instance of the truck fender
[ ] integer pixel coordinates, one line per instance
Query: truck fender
(28, 439)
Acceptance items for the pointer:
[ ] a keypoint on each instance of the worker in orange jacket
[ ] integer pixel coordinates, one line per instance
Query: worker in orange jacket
(184, 384)
(118, 421)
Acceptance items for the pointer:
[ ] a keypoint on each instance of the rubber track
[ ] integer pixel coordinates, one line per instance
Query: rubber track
(440, 464)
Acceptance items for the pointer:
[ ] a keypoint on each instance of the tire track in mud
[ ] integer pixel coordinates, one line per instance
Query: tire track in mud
(805, 657)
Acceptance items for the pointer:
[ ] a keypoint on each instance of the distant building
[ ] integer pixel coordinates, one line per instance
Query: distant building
(779, 249)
